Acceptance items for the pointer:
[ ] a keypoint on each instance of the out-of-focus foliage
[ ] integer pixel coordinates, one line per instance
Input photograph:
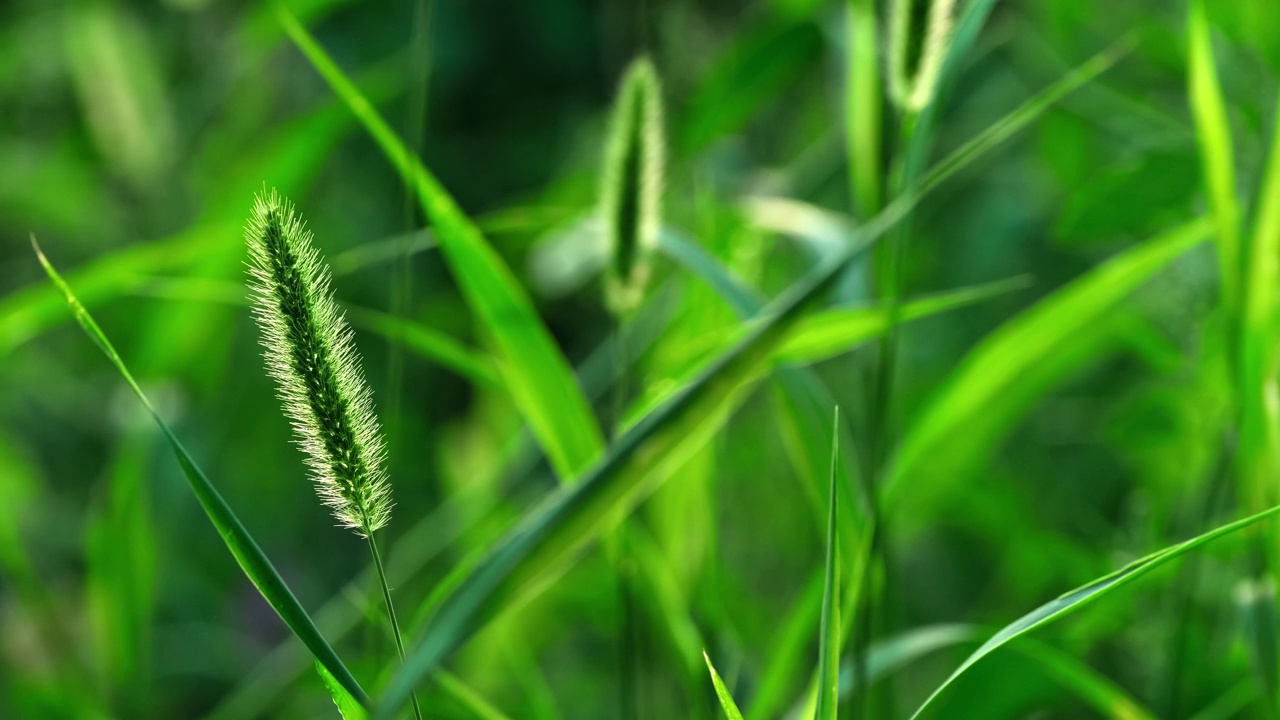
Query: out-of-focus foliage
(1075, 367)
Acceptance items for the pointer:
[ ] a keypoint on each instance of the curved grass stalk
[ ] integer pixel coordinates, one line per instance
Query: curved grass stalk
(310, 352)
(255, 564)
(1072, 601)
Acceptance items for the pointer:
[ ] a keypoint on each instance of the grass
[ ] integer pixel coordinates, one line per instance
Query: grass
(609, 291)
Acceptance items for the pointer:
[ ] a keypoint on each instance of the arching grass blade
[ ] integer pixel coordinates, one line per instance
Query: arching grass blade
(1091, 592)
(730, 707)
(252, 560)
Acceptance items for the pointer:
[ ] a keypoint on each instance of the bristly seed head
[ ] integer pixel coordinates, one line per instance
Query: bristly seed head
(631, 185)
(310, 353)
(919, 34)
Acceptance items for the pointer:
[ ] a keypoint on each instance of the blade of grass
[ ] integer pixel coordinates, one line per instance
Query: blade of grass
(829, 637)
(348, 707)
(893, 654)
(243, 547)
(1213, 135)
(535, 371)
(976, 404)
(731, 710)
(430, 344)
(1076, 599)
(469, 699)
(832, 332)
(1258, 458)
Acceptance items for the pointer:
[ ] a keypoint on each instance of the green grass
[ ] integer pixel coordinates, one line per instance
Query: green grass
(604, 274)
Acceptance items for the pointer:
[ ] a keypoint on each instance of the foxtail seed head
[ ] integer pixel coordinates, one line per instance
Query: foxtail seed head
(631, 185)
(309, 352)
(919, 33)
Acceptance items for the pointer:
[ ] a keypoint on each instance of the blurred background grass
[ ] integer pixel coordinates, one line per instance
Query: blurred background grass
(133, 136)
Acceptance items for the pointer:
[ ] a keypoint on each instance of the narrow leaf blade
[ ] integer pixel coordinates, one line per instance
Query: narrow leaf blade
(535, 371)
(829, 640)
(731, 710)
(252, 560)
(1074, 600)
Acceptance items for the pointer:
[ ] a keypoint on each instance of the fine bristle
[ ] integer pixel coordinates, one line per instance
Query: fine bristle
(311, 355)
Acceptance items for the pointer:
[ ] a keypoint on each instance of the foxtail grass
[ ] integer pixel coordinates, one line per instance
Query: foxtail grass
(919, 32)
(631, 185)
(310, 353)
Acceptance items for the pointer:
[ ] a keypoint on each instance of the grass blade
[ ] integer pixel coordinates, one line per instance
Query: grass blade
(252, 560)
(1213, 135)
(1018, 361)
(1259, 449)
(430, 344)
(1084, 682)
(348, 707)
(833, 332)
(469, 699)
(731, 710)
(1085, 594)
(829, 639)
(535, 371)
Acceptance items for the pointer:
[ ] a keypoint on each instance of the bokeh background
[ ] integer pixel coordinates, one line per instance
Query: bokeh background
(133, 137)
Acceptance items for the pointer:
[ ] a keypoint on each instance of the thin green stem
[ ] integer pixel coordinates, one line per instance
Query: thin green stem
(891, 282)
(391, 613)
(629, 630)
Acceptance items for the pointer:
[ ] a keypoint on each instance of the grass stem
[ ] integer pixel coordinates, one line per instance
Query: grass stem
(391, 612)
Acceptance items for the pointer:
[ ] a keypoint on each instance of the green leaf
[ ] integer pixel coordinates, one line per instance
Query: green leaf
(1260, 424)
(895, 653)
(430, 344)
(731, 710)
(469, 699)
(243, 547)
(535, 371)
(1213, 135)
(1018, 361)
(833, 332)
(1090, 592)
(829, 638)
(348, 708)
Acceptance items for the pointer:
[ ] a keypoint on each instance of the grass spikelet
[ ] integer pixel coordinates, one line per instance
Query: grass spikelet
(631, 185)
(918, 35)
(310, 354)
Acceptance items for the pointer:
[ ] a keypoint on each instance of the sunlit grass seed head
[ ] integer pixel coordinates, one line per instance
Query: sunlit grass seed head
(311, 355)
(919, 32)
(631, 185)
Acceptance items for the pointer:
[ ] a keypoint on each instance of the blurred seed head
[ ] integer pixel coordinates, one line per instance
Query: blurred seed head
(631, 185)
(919, 33)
